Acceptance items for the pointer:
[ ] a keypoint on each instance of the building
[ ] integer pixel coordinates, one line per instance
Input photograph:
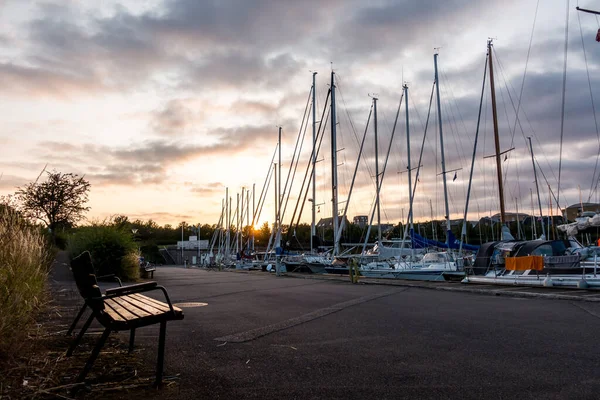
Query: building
(327, 223)
(510, 217)
(361, 221)
(573, 211)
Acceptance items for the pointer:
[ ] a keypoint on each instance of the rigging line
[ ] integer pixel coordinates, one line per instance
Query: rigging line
(292, 170)
(466, 210)
(421, 152)
(454, 128)
(295, 167)
(526, 65)
(562, 115)
(261, 198)
(384, 169)
(505, 178)
(319, 136)
(485, 135)
(501, 65)
(507, 88)
(352, 125)
(382, 112)
(545, 180)
(308, 167)
(451, 121)
(341, 227)
(454, 102)
(587, 70)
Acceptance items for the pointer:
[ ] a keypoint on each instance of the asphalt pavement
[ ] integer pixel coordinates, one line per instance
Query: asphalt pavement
(252, 335)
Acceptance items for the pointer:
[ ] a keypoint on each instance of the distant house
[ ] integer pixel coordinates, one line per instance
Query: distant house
(555, 220)
(510, 217)
(361, 221)
(327, 223)
(574, 210)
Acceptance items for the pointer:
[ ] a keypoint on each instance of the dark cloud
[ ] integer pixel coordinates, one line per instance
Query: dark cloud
(241, 69)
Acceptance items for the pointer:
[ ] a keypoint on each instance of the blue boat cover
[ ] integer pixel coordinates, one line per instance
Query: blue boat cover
(419, 242)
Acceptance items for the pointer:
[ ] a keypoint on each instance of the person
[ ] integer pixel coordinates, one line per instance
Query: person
(598, 242)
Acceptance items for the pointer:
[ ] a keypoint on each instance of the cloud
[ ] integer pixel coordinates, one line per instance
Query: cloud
(34, 81)
(11, 182)
(209, 189)
(174, 119)
(148, 162)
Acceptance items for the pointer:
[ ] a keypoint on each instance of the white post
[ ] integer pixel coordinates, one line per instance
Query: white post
(182, 260)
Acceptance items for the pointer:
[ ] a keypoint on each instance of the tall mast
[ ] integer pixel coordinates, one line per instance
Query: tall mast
(248, 215)
(439, 110)
(227, 221)
(334, 183)
(377, 170)
(433, 234)
(238, 214)
(313, 231)
(537, 188)
(253, 213)
(278, 237)
(533, 224)
(496, 137)
(410, 196)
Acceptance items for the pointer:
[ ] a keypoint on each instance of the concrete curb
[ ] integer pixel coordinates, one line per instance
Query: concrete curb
(462, 289)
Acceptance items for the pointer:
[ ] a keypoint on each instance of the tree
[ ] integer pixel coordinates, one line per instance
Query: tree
(58, 201)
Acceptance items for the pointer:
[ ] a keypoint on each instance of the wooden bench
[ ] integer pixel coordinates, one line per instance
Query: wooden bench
(147, 270)
(119, 309)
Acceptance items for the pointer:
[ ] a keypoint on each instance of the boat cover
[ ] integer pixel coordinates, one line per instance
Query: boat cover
(419, 242)
(524, 263)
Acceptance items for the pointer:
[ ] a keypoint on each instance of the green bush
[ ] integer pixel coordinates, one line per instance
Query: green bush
(151, 253)
(25, 259)
(112, 248)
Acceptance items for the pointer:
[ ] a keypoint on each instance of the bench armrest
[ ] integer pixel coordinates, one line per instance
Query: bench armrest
(131, 288)
(113, 276)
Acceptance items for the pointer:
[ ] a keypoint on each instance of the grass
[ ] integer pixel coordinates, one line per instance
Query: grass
(25, 258)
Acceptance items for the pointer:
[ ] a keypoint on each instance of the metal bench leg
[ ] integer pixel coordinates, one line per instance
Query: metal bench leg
(131, 339)
(79, 314)
(94, 355)
(80, 335)
(161, 354)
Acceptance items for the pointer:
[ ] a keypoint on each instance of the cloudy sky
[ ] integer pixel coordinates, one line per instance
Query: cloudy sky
(161, 105)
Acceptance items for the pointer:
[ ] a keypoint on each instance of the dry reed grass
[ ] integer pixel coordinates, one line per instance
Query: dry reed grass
(25, 258)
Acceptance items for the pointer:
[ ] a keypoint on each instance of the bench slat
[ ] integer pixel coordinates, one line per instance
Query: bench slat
(154, 302)
(117, 311)
(126, 302)
(142, 306)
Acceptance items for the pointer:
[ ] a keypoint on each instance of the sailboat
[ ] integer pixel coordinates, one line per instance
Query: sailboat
(436, 265)
(538, 262)
(312, 262)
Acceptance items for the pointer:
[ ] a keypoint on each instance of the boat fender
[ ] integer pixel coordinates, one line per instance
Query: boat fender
(548, 282)
(582, 284)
